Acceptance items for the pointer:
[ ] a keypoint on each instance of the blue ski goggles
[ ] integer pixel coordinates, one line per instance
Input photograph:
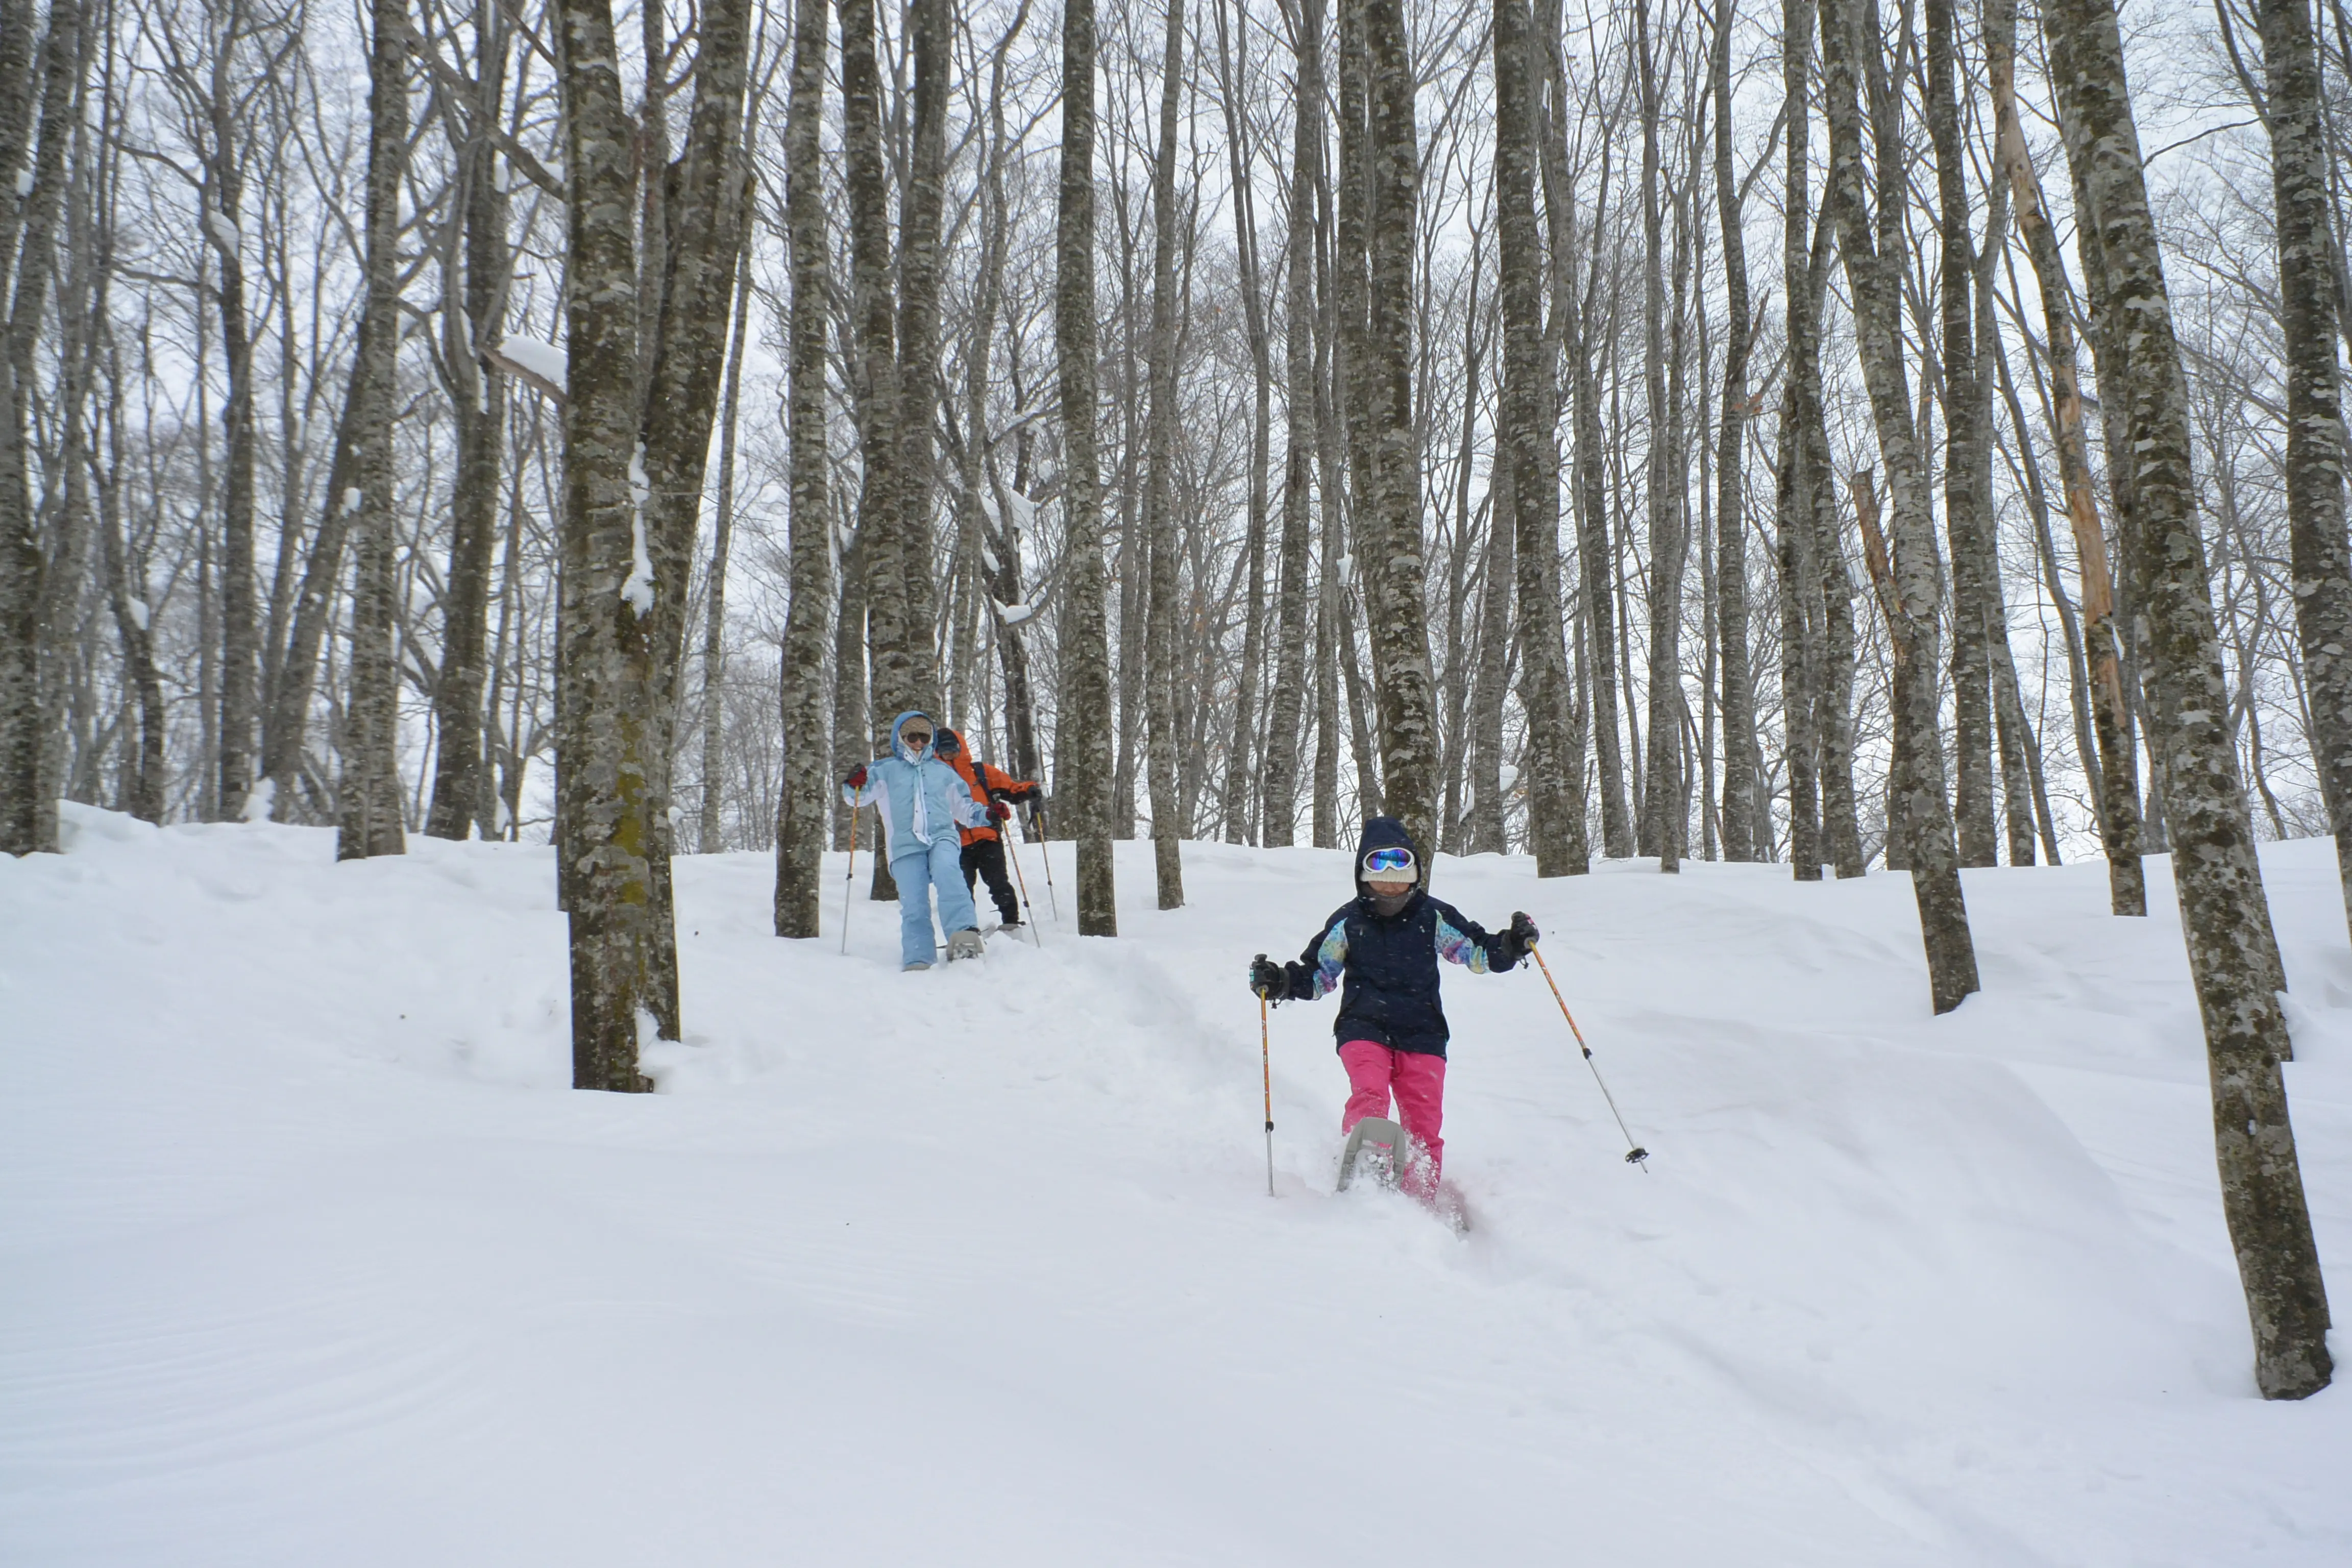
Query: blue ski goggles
(1389, 860)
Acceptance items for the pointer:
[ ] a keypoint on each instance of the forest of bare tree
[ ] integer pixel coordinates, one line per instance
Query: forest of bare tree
(1837, 433)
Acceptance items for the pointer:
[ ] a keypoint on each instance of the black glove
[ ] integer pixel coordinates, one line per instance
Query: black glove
(1268, 979)
(856, 779)
(1024, 792)
(1514, 943)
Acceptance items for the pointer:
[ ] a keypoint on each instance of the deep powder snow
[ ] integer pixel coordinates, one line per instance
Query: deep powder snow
(309, 1256)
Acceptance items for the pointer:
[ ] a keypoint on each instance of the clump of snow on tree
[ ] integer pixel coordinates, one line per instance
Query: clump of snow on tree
(1016, 615)
(638, 590)
(545, 361)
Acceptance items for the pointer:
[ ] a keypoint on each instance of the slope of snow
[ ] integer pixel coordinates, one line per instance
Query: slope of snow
(308, 1256)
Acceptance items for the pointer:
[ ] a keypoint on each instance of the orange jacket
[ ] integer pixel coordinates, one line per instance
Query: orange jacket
(986, 781)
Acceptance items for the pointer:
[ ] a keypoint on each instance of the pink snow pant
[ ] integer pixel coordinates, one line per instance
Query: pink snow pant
(1418, 1081)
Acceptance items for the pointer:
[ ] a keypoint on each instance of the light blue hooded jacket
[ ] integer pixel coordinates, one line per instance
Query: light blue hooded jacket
(922, 799)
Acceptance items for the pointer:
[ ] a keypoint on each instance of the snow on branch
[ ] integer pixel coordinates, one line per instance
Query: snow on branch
(544, 365)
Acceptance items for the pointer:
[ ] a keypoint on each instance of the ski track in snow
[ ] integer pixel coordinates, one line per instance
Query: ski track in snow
(307, 1255)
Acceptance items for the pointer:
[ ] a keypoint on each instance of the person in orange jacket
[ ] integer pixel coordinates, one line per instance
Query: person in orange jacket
(984, 846)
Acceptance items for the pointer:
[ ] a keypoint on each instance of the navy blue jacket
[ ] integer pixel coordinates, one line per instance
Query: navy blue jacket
(1386, 965)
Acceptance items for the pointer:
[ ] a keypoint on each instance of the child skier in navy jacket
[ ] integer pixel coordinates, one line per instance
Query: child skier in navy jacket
(1380, 950)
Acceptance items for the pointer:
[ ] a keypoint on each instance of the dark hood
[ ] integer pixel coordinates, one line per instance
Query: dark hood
(1387, 833)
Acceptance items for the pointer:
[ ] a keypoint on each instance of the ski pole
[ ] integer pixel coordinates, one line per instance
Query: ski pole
(1635, 1154)
(1266, 1068)
(1046, 848)
(848, 879)
(1023, 883)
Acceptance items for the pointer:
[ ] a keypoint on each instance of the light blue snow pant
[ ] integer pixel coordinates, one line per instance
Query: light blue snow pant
(916, 871)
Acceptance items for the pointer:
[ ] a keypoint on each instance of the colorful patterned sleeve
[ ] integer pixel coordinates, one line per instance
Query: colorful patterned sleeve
(1329, 958)
(1456, 946)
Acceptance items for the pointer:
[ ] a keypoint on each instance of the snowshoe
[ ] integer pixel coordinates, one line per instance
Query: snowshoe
(919, 963)
(1376, 1147)
(965, 943)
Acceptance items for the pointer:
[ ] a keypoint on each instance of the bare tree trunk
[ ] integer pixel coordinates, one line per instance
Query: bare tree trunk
(240, 646)
(2116, 766)
(1872, 269)
(1234, 76)
(722, 529)
(1660, 834)
(852, 724)
(704, 213)
(1975, 571)
(801, 813)
(1083, 735)
(1841, 831)
(2301, 168)
(368, 797)
(70, 752)
(1159, 518)
(1799, 585)
(127, 590)
(1459, 638)
(1596, 559)
(1394, 572)
(920, 216)
(461, 794)
(1002, 585)
(890, 629)
(637, 437)
(26, 826)
(28, 808)
(1562, 330)
(285, 720)
(1740, 761)
(2078, 681)
(1279, 814)
(2233, 953)
(605, 831)
(2022, 795)
(1325, 810)
(1339, 291)
(1806, 657)
(1529, 410)
(1488, 820)
(1351, 396)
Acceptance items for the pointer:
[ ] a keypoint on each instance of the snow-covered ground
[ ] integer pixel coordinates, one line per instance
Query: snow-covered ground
(308, 1256)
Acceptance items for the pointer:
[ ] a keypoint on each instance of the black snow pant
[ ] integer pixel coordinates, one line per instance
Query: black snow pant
(985, 858)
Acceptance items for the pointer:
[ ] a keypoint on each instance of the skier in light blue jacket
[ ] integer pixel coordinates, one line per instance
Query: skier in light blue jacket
(924, 803)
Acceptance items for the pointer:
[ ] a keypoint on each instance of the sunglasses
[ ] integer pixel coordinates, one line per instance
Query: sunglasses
(1389, 860)
(918, 739)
